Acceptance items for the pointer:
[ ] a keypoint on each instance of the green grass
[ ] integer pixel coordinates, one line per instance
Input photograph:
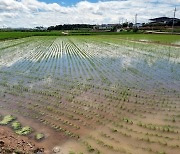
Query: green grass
(125, 37)
(158, 38)
(111, 36)
(17, 35)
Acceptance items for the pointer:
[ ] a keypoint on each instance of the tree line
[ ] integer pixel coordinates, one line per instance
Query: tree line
(70, 27)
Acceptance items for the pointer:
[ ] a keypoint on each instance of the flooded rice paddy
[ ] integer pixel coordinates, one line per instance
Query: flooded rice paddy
(93, 94)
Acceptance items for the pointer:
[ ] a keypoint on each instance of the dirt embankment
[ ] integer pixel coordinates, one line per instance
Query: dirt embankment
(12, 143)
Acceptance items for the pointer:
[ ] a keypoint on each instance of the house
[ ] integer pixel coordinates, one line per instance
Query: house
(163, 20)
(105, 27)
(41, 28)
(137, 25)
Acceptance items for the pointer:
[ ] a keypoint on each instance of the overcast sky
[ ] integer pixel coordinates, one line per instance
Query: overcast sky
(31, 13)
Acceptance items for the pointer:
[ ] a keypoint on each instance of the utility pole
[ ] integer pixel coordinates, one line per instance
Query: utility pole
(135, 20)
(121, 22)
(173, 20)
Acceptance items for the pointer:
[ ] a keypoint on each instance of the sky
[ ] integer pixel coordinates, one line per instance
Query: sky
(65, 2)
(32, 13)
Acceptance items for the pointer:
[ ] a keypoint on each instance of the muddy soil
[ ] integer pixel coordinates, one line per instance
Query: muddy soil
(12, 143)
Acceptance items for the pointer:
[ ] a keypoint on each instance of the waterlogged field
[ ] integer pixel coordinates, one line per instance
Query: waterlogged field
(92, 94)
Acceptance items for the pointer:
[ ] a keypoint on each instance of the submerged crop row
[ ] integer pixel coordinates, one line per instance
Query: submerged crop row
(93, 94)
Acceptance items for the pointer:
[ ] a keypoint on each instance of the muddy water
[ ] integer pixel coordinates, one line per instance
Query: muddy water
(138, 84)
(52, 138)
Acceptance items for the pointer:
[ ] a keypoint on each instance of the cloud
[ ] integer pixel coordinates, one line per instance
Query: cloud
(30, 13)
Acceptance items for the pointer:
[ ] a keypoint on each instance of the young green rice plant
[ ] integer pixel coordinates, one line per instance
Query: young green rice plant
(7, 119)
(24, 131)
(39, 136)
(71, 152)
(127, 120)
(90, 149)
(16, 125)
